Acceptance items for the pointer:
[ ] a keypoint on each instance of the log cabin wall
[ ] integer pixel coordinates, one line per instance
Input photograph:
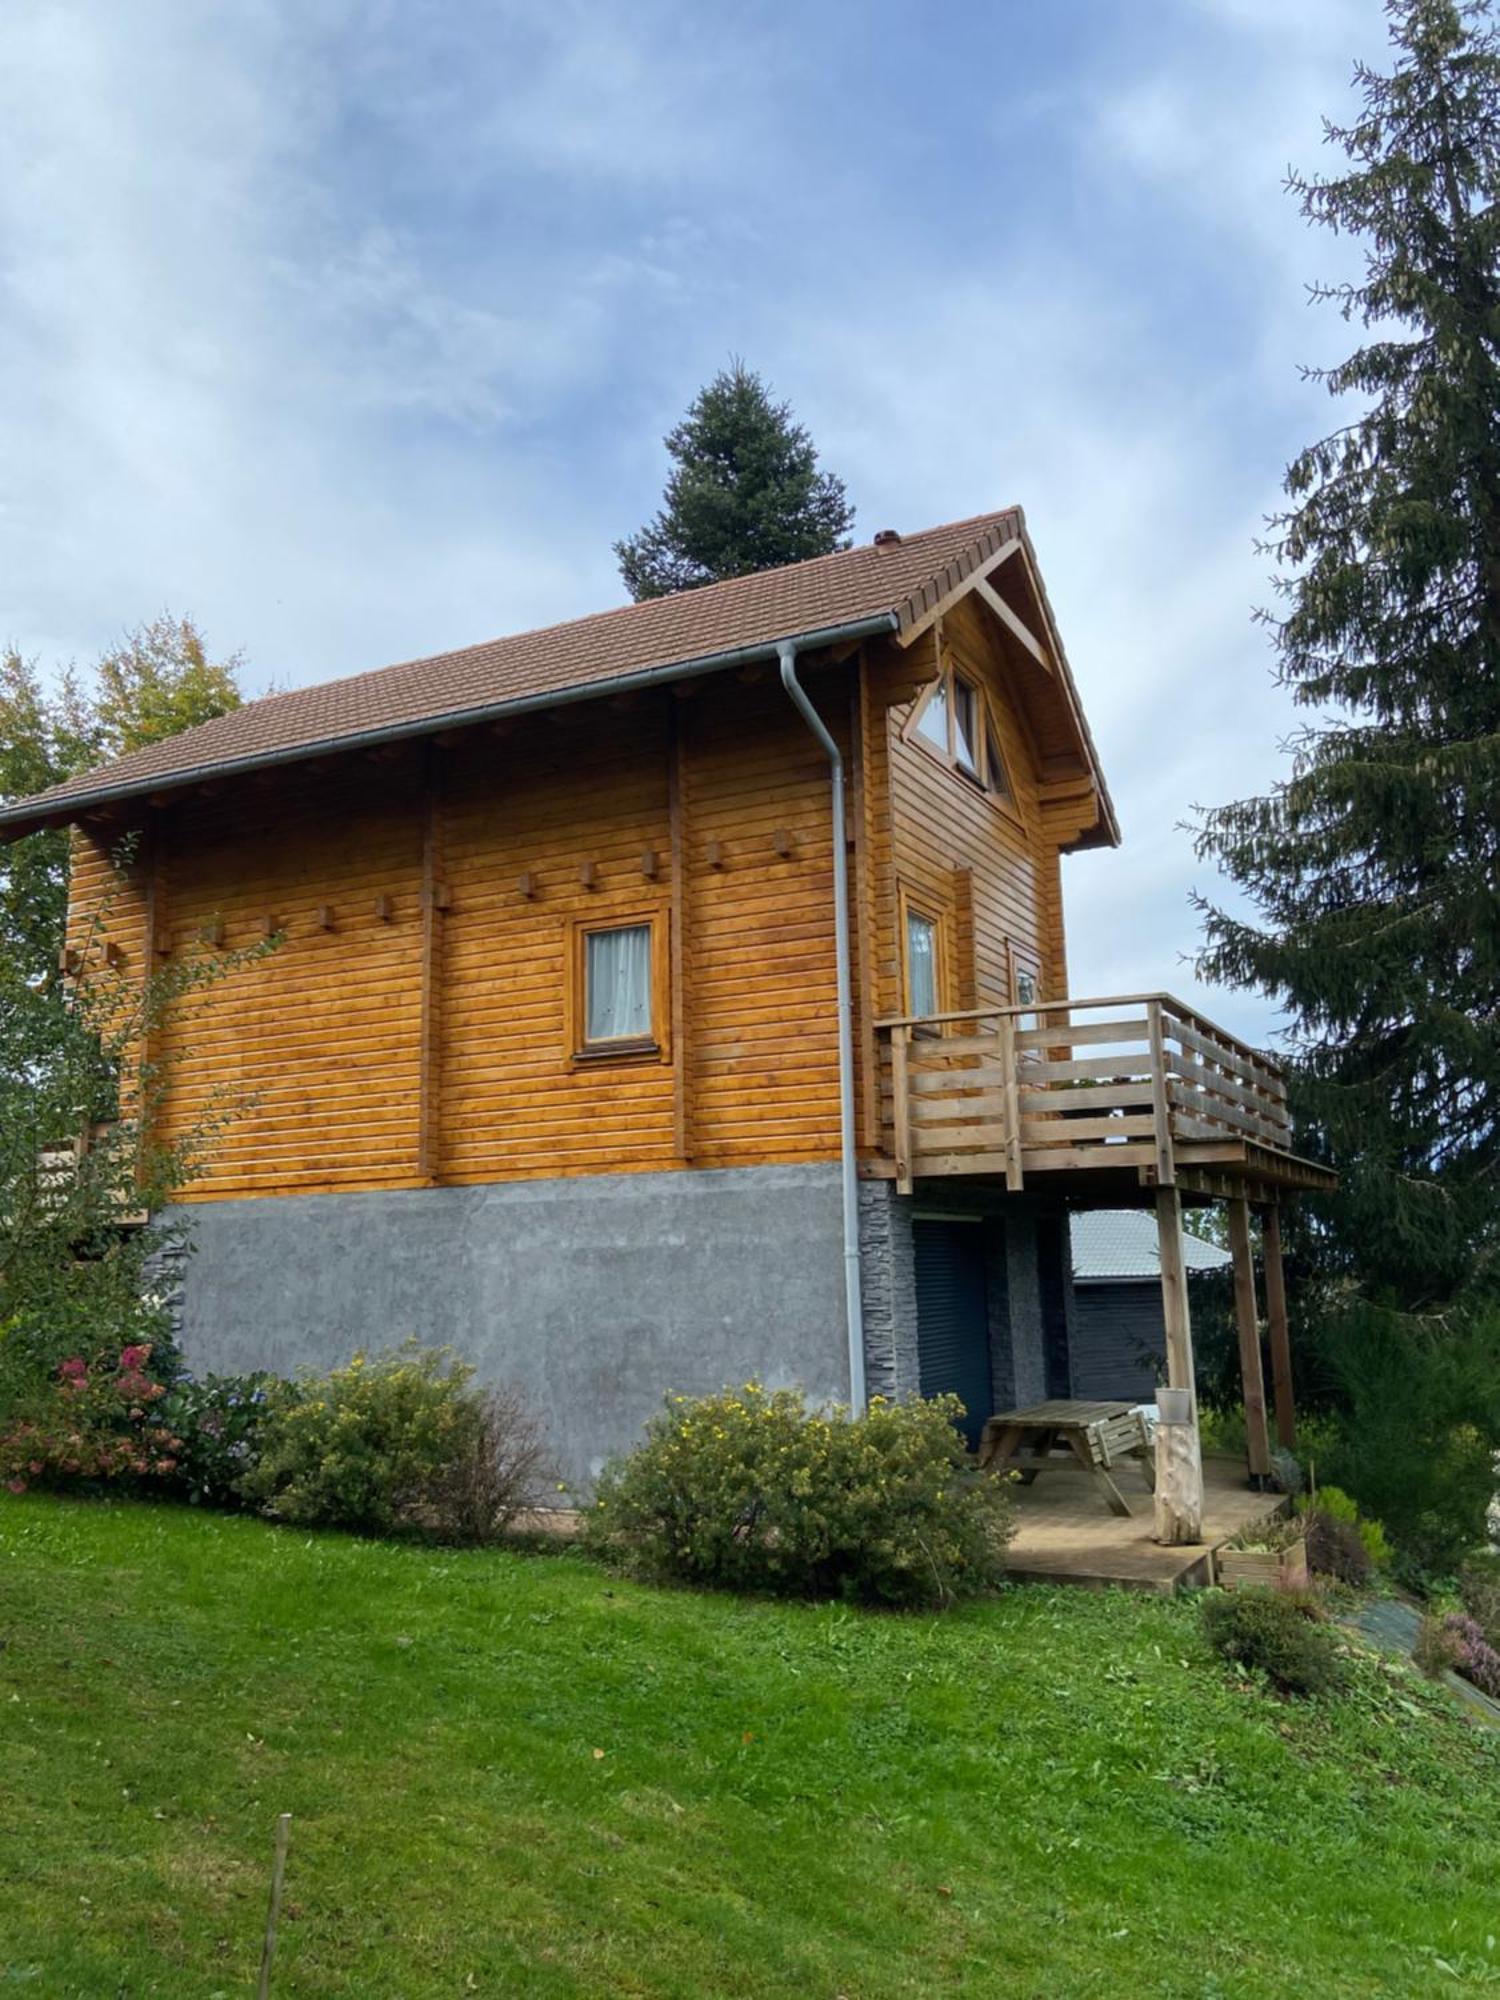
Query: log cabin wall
(989, 869)
(412, 1028)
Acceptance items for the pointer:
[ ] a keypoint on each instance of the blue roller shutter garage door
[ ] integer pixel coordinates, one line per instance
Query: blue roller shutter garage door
(953, 1331)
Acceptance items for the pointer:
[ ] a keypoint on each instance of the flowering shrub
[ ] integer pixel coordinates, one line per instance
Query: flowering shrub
(755, 1491)
(1473, 1655)
(400, 1442)
(100, 1420)
(218, 1421)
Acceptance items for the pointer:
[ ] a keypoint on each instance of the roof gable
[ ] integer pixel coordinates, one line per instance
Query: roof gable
(897, 582)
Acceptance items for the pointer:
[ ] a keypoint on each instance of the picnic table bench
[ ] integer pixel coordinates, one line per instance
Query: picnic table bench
(1095, 1435)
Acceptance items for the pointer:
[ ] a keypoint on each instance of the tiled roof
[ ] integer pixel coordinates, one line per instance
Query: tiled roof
(1121, 1243)
(902, 577)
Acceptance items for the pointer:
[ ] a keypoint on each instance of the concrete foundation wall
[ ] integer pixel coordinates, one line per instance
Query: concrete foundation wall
(596, 1296)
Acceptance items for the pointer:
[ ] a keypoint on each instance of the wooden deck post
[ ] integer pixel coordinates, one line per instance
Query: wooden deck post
(1005, 1044)
(901, 1108)
(1281, 1343)
(1179, 1460)
(1247, 1325)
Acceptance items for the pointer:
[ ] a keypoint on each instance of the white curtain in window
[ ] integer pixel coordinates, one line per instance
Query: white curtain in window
(921, 964)
(619, 984)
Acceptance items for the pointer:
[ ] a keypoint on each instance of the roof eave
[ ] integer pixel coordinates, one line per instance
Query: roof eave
(22, 818)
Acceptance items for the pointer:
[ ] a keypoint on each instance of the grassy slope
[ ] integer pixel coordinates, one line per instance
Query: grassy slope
(1051, 1793)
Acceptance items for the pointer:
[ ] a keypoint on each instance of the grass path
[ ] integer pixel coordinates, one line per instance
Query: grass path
(1049, 1794)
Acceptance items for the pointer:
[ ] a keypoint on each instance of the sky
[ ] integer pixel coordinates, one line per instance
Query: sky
(353, 330)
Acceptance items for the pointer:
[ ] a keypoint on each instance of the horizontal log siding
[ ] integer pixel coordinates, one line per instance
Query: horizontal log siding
(311, 1052)
(314, 1052)
(761, 989)
(546, 801)
(931, 823)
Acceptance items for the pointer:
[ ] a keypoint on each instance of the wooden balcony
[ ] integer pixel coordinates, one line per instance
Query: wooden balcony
(1136, 1086)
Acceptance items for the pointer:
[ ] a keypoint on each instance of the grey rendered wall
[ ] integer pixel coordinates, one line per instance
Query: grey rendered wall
(597, 1296)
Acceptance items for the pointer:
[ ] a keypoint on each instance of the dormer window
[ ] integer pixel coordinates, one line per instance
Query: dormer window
(965, 725)
(932, 723)
(955, 722)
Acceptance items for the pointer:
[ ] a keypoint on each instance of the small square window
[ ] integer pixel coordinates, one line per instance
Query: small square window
(617, 985)
(934, 719)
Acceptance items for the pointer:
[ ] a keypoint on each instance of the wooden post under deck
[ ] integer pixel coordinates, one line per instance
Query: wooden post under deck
(1247, 1325)
(1179, 1463)
(1281, 1343)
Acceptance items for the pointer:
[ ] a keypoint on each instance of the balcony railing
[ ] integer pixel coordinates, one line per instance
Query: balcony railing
(1131, 1081)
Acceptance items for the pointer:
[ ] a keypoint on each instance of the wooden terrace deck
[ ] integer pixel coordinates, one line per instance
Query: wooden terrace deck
(1065, 1536)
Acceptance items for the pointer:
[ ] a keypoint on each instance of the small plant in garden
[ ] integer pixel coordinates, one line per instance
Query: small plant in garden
(1335, 1549)
(1341, 1542)
(218, 1420)
(1436, 1650)
(1276, 1633)
(397, 1443)
(1479, 1586)
(1458, 1642)
(752, 1490)
(102, 1420)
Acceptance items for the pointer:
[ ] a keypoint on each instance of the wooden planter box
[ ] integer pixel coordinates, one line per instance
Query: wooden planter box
(1262, 1569)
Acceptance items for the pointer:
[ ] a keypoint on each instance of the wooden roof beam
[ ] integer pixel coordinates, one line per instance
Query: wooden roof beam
(1013, 623)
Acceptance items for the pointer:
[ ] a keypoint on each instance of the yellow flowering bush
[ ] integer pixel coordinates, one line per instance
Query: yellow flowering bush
(753, 1490)
(399, 1442)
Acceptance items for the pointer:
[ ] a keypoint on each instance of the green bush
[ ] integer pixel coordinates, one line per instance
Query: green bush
(1438, 1648)
(399, 1443)
(1278, 1634)
(1479, 1586)
(1337, 1505)
(752, 1490)
(1335, 1548)
(218, 1421)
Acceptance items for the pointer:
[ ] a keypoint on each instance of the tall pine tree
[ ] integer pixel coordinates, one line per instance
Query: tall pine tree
(1374, 867)
(745, 493)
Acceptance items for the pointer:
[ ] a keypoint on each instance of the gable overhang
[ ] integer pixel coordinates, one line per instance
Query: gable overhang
(18, 820)
(1039, 639)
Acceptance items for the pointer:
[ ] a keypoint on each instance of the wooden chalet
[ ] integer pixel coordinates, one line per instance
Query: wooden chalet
(676, 996)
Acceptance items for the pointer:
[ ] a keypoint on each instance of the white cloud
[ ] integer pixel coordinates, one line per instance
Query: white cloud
(353, 329)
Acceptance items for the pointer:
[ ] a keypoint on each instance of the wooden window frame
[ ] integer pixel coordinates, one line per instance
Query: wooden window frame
(1002, 797)
(1020, 959)
(911, 903)
(579, 1052)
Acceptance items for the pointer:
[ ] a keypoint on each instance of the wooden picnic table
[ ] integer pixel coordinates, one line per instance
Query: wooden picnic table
(1095, 1435)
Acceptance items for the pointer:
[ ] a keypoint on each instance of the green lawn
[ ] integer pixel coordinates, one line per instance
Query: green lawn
(1048, 1794)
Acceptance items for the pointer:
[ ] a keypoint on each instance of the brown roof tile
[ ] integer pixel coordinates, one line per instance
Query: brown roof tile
(903, 577)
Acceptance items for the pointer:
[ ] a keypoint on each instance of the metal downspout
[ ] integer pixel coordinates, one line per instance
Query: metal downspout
(848, 1153)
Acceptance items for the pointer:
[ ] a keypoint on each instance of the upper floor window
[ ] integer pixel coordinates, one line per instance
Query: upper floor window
(933, 720)
(617, 986)
(921, 963)
(924, 953)
(954, 720)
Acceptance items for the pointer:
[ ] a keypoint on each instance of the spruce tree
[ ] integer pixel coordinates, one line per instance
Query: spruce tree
(1374, 868)
(745, 493)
